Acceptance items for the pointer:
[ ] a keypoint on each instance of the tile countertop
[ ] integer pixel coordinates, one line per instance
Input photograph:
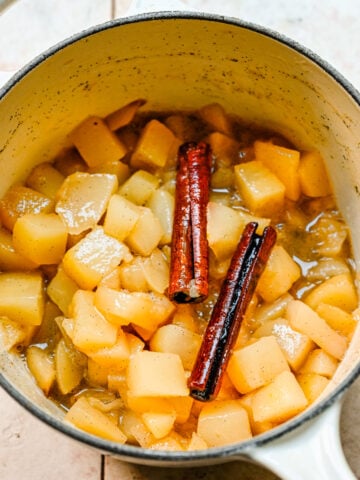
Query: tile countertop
(31, 450)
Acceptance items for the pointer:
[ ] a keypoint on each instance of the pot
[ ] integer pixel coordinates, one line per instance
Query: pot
(182, 60)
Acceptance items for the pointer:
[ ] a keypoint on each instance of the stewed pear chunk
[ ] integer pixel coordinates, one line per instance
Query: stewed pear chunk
(45, 179)
(279, 400)
(41, 238)
(83, 199)
(154, 147)
(41, 365)
(256, 364)
(86, 417)
(305, 320)
(19, 200)
(22, 297)
(283, 162)
(96, 143)
(314, 180)
(156, 374)
(96, 255)
(223, 422)
(262, 191)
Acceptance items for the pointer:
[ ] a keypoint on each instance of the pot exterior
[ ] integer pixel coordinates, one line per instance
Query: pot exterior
(180, 62)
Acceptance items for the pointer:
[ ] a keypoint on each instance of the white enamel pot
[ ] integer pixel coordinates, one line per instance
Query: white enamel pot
(182, 60)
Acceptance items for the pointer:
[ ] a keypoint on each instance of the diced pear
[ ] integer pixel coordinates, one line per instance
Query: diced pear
(146, 234)
(132, 275)
(147, 310)
(40, 237)
(197, 443)
(61, 289)
(221, 178)
(91, 330)
(45, 179)
(170, 443)
(154, 147)
(261, 190)
(124, 115)
(341, 321)
(279, 400)
(121, 217)
(175, 339)
(162, 204)
(68, 371)
(273, 310)
(112, 279)
(261, 221)
(22, 297)
(96, 374)
(116, 356)
(338, 291)
(278, 276)
(155, 374)
(149, 404)
(93, 257)
(156, 271)
(69, 161)
(114, 167)
(295, 345)
(305, 320)
(135, 429)
(159, 424)
(321, 363)
(224, 148)
(10, 259)
(223, 422)
(12, 333)
(256, 364)
(48, 331)
(139, 187)
(96, 142)
(41, 366)
(216, 117)
(83, 199)
(312, 385)
(184, 317)
(283, 162)
(19, 200)
(224, 227)
(313, 176)
(91, 420)
(331, 235)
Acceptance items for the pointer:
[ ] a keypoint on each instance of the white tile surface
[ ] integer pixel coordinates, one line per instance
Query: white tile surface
(30, 450)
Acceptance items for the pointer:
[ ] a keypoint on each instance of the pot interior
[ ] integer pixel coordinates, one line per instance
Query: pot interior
(179, 63)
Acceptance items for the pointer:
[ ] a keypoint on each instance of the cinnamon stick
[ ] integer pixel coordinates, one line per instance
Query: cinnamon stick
(189, 264)
(237, 289)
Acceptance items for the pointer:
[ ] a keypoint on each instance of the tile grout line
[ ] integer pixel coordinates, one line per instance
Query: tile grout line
(112, 9)
(102, 467)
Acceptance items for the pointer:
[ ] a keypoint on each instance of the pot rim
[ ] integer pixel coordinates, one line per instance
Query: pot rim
(135, 453)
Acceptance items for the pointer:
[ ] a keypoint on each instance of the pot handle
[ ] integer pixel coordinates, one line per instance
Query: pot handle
(314, 451)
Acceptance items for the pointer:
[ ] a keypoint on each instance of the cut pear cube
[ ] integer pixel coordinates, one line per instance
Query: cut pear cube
(96, 142)
(155, 374)
(40, 237)
(93, 257)
(83, 199)
(305, 320)
(22, 297)
(262, 191)
(256, 364)
(279, 400)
